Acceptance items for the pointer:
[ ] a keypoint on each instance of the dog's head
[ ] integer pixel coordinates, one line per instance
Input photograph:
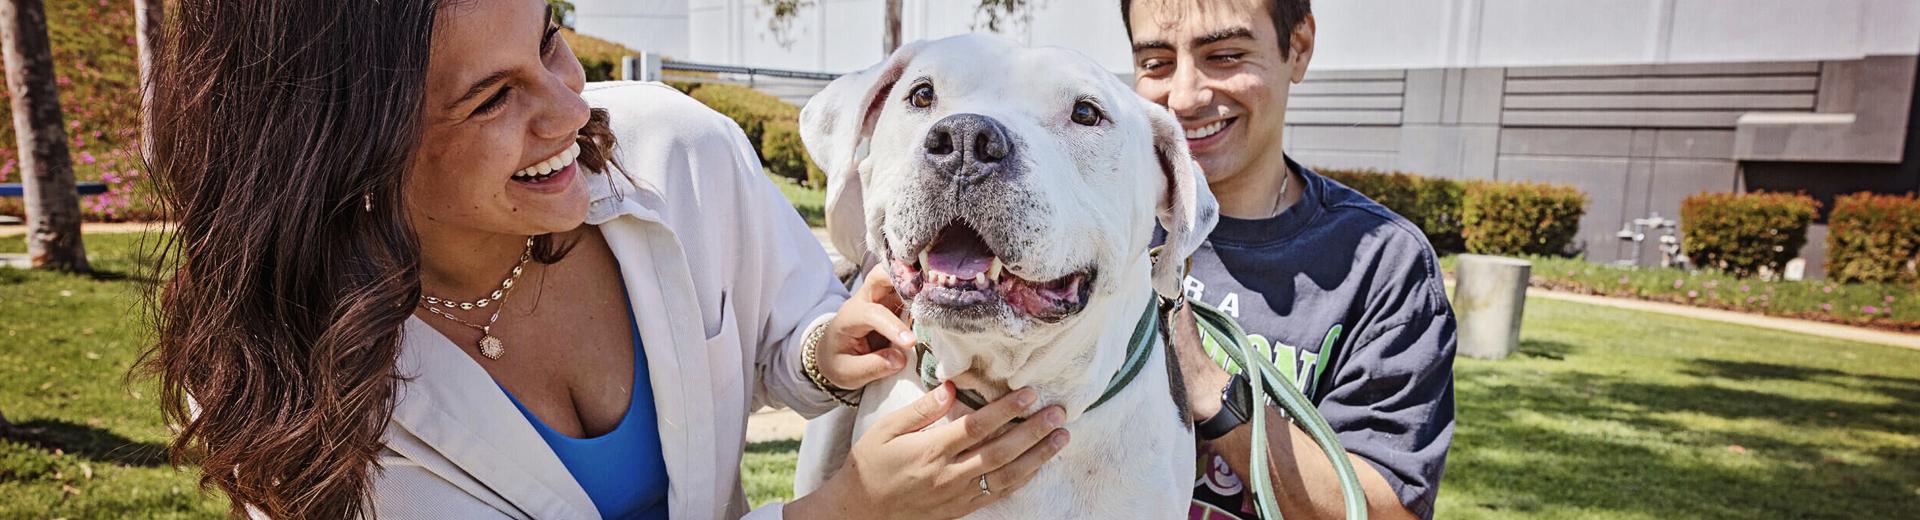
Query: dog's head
(1008, 188)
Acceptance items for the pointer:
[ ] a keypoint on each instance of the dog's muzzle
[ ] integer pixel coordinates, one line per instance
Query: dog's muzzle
(968, 148)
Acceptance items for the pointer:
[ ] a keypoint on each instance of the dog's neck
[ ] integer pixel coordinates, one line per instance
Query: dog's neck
(1069, 363)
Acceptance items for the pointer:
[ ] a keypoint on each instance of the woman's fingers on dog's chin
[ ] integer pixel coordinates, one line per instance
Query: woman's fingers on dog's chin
(924, 411)
(979, 425)
(1017, 474)
(1019, 439)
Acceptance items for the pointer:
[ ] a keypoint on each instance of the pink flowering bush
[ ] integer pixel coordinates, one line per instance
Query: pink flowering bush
(95, 68)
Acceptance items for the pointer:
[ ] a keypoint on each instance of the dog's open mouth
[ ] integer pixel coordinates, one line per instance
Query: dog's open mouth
(958, 269)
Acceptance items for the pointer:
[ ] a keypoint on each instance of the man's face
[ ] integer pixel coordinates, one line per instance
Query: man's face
(1223, 69)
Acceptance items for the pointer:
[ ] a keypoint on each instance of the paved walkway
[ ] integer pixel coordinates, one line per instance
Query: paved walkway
(12, 230)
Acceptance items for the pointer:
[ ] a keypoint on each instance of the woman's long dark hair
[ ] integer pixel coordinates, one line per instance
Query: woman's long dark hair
(274, 124)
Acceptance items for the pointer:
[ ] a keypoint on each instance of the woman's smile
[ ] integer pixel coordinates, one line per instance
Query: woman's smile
(552, 175)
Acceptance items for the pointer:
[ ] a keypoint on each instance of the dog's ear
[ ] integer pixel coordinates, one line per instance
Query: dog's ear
(1187, 209)
(836, 125)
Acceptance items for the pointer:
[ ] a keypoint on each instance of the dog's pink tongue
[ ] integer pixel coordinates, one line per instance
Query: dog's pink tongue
(960, 252)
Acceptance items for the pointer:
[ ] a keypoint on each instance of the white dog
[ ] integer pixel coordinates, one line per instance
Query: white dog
(1014, 193)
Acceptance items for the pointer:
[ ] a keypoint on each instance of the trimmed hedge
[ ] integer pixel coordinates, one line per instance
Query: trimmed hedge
(1431, 203)
(1874, 238)
(1516, 218)
(1487, 217)
(784, 155)
(599, 57)
(1743, 233)
(771, 125)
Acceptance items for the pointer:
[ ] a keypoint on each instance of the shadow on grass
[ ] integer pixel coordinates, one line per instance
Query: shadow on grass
(1545, 349)
(1589, 442)
(91, 443)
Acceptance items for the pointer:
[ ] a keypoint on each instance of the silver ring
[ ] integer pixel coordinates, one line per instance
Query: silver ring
(984, 489)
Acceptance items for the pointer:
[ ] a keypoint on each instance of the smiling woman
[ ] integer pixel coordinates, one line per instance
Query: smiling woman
(417, 279)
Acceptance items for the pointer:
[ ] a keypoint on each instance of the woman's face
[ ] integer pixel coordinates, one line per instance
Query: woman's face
(502, 110)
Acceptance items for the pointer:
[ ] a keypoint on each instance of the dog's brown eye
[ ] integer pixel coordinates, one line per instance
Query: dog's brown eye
(1086, 114)
(921, 97)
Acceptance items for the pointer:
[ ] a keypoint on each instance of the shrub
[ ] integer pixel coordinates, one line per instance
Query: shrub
(600, 58)
(770, 124)
(98, 78)
(1742, 233)
(1508, 218)
(1431, 203)
(784, 155)
(1874, 238)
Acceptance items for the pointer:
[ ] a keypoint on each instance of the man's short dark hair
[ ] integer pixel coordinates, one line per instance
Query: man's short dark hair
(1287, 14)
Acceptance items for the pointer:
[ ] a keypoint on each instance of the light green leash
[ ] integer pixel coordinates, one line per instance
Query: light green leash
(1137, 351)
(1225, 332)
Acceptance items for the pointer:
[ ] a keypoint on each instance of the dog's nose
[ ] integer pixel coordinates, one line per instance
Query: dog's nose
(968, 147)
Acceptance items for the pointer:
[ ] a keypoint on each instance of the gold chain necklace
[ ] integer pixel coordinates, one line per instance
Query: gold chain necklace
(490, 346)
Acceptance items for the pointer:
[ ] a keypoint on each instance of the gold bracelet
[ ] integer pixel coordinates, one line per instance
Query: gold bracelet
(811, 366)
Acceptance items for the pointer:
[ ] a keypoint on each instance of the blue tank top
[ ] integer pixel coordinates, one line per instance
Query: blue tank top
(622, 470)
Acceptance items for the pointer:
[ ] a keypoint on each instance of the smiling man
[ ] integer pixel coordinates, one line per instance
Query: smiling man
(1333, 285)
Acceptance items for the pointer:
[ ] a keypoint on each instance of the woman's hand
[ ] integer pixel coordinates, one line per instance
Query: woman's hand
(866, 340)
(897, 470)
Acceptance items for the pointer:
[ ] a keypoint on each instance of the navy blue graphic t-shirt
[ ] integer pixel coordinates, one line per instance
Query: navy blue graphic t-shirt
(1349, 296)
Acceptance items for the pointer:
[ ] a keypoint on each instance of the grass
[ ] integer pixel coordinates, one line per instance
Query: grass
(810, 202)
(1878, 305)
(1603, 413)
(66, 344)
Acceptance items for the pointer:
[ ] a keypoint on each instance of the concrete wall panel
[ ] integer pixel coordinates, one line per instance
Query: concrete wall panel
(1566, 142)
(1694, 144)
(1344, 138)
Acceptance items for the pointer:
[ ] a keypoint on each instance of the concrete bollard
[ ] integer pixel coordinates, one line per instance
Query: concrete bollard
(1489, 294)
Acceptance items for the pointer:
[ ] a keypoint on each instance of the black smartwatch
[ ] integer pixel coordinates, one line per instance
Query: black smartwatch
(1236, 408)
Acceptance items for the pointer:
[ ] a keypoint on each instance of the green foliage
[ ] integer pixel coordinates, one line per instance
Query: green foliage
(1431, 203)
(771, 125)
(96, 70)
(1874, 238)
(787, 157)
(1515, 218)
(1743, 233)
(1491, 217)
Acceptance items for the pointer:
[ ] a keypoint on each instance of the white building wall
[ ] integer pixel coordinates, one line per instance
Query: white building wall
(660, 25)
(841, 35)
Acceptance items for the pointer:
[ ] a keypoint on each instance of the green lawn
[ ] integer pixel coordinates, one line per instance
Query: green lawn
(1604, 413)
(810, 202)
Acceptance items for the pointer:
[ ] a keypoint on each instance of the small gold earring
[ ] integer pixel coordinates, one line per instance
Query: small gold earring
(366, 201)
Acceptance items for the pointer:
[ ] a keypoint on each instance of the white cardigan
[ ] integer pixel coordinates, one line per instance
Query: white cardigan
(724, 279)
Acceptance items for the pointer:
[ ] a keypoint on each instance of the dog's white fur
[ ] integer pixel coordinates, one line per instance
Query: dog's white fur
(1078, 197)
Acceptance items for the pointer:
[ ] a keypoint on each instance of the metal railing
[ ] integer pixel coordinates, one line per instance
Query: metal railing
(792, 86)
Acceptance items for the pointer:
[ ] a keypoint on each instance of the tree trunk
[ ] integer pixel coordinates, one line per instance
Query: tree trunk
(53, 207)
(146, 19)
(891, 36)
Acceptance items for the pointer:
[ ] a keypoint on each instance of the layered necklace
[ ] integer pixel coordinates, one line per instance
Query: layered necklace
(490, 345)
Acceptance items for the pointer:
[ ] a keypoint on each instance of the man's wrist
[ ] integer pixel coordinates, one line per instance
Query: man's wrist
(1203, 390)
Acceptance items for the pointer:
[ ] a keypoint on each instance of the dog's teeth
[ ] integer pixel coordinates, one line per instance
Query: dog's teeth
(923, 259)
(980, 280)
(993, 269)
